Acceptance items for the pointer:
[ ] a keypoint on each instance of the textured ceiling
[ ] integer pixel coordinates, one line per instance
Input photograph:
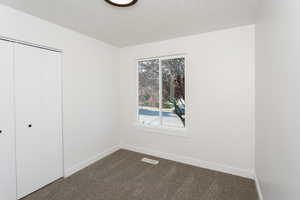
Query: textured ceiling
(147, 21)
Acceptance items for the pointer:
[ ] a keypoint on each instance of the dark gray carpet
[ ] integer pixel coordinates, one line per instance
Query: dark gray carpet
(121, 176)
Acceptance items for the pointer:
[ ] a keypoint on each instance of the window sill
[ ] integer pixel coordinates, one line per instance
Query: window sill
(180, 132)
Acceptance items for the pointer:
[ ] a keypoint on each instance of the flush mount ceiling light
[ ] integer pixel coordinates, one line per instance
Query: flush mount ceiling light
(121, 3)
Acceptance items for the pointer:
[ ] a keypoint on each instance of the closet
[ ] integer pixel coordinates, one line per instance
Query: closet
(31, 150)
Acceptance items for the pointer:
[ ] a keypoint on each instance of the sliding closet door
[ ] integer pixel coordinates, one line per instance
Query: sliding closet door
(7, 138)
(38, 118)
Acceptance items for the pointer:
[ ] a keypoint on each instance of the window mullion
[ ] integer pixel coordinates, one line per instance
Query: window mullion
(160, 93)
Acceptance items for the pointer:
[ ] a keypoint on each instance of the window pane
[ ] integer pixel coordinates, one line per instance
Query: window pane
(149, 92)
(173, 92)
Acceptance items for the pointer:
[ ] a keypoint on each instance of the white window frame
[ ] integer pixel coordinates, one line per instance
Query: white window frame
(160, 128)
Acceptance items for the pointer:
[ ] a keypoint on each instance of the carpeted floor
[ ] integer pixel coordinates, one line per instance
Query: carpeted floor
(121, 176)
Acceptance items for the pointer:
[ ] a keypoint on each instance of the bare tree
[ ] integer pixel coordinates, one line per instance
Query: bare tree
(173, 81)
(149, 83)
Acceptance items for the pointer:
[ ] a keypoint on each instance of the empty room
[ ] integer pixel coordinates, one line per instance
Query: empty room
(149, 100)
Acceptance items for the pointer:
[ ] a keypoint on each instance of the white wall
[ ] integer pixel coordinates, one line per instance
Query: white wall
(220, 95)
(277, 99)
(89, 83)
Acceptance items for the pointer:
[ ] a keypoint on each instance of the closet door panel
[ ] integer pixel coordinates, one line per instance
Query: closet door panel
(7, 137)
(38, 118)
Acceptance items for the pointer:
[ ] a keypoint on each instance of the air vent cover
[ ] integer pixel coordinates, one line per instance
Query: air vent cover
(150, 161)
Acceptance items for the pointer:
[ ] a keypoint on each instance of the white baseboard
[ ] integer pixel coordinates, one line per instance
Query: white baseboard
(86, 163)
(193, 161)
(258, 188)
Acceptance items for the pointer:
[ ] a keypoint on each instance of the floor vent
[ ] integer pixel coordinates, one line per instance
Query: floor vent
(150, 161)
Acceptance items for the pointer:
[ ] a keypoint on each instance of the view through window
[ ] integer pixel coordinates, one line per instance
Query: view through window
(161, 92)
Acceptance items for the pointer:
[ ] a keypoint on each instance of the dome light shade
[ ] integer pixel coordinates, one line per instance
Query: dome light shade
(121, 3)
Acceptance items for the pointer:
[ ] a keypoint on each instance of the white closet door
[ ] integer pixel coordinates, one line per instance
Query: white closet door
(7, 137)
(38, 118)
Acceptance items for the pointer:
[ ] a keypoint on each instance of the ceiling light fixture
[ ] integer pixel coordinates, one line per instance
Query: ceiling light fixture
(121, 3)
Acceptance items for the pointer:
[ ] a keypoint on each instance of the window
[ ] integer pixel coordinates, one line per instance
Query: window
(161, 92)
